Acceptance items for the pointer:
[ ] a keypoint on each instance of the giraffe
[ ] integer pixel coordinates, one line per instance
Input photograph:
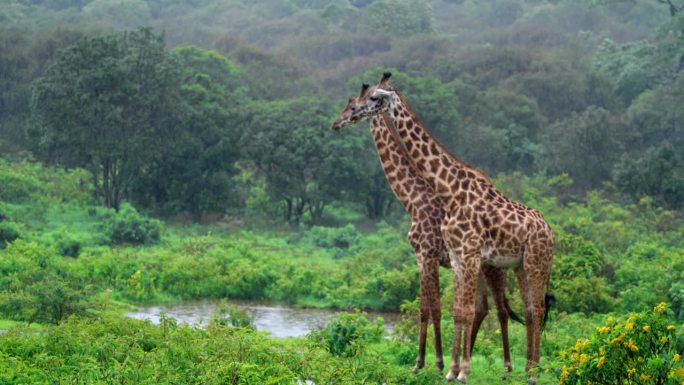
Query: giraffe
(482, 228)
(427, 213)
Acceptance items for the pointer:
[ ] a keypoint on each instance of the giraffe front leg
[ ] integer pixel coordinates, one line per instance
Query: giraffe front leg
(436, 310)
(425, 299)
(454, 366)
(471, 280)
(534, 315)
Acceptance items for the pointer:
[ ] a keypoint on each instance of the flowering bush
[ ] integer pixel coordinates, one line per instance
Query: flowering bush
(644, 349)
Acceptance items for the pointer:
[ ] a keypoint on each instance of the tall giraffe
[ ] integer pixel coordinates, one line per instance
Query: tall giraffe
(482, 228)
(427, 213)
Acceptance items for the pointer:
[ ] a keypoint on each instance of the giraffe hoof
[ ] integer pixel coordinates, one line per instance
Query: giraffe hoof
(462, 378)
(440, 365)
(450, 376)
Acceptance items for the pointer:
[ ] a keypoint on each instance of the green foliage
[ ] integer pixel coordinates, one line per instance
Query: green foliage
(583, 146)
(644, 349)
(141, 353)
(348, 334)
(9, 232)
(112, 89)
(397, 17)
(304, 167)
(342, 241)
(230, 315)
(197, 170)
(37, 286)
(130, 227)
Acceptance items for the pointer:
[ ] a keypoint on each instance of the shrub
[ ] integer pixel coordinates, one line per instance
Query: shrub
(576, 270)
(130, 227)
(644, 349)
(343, 241)
(230, 315)
(37, 286)
(348, 334)
(9, 231)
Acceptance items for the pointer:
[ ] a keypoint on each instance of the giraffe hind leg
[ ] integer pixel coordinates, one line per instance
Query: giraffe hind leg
(496, 279)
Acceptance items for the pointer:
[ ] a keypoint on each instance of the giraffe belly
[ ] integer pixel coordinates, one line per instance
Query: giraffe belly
(498, 259)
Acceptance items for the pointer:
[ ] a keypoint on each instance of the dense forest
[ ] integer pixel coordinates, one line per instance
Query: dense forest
(164, 151)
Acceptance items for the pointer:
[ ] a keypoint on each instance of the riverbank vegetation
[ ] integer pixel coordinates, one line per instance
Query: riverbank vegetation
(161, 152)
(69, 261)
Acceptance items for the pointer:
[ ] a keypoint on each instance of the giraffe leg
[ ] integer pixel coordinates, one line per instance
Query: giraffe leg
(470, 266)
(425, 297)
(481, 311)
(496, 279)
(535, 279)
(436, 312)
(454, 366)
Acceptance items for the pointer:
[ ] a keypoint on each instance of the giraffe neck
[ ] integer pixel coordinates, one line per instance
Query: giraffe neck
(440, 169)
(403, 178)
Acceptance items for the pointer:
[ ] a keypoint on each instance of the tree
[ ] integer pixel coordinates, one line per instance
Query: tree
(23, 54)
(195, 173)
(305, 165)
(108, 104)
(585, 146)
(656, 173)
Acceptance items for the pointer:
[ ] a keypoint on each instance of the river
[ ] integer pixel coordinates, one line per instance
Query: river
(280, 320)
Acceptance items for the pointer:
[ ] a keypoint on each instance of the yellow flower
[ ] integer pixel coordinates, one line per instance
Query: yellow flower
(646, 328)
(604, 330)
(583, 358)
(601, 361)
(644, 377)
(630, 372)
(617, 339)
(631, 345)
(629, 325)
(663, 340)
(565, 372)
(670, 328)
(659, 308)
(676, 357)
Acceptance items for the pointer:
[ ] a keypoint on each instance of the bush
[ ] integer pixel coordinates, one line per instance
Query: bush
(130, 227)
(37, 286)
(230, 315)
(348, 334)
(9, 232)
(343, 241)
(644, 349)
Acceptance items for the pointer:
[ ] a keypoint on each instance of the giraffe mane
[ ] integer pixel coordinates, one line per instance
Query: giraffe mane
(477, 171)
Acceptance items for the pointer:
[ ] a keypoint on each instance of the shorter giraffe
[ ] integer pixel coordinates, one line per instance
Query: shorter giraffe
(427, 214)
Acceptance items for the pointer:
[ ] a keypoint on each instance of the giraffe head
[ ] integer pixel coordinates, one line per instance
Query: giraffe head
(371, 101)
(353, 112)
(378, 99)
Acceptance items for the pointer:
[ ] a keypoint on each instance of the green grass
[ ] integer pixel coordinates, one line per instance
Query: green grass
(6, 324)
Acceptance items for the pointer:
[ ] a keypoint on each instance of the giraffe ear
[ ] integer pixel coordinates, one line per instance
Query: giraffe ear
(380, 93)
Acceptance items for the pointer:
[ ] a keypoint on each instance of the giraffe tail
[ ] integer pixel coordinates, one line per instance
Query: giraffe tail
(513, 315)
(549, 299)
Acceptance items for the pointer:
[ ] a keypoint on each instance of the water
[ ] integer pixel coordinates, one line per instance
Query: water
(281, 321)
